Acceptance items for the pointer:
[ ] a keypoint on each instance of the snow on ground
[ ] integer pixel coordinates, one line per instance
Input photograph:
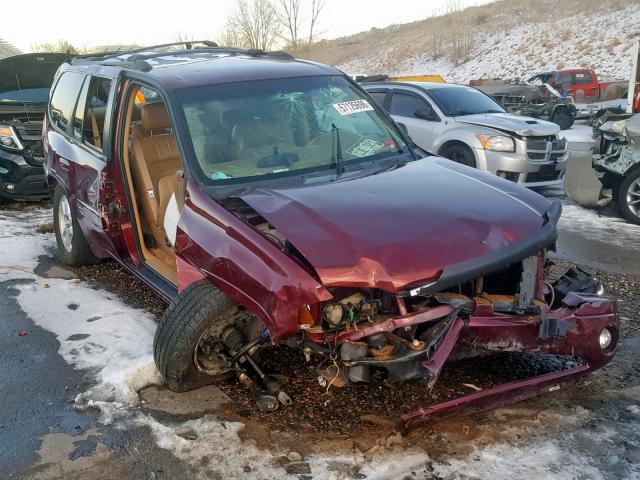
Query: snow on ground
(602, 41)
(98, 332)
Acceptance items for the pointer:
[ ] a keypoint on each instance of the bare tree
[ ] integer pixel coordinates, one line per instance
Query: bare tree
(290, 17)
(61, 46)
(230, 37)
(317, 6)
(256, 23)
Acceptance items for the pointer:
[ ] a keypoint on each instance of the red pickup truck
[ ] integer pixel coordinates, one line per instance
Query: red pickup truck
(582, 85)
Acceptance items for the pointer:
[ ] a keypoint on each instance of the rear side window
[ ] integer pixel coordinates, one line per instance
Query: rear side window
(405, 105)
(583, 78)
(91, 112)
(64, 98)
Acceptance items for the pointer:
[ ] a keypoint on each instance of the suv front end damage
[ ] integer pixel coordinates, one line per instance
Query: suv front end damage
(377, 337)
(370, 325)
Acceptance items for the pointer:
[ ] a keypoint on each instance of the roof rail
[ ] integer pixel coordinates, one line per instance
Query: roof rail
(137, 61)
(189, 45)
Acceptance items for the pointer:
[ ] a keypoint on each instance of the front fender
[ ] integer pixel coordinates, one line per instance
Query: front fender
(214, 244)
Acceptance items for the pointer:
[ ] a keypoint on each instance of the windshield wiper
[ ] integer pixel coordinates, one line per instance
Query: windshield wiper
(336, 155)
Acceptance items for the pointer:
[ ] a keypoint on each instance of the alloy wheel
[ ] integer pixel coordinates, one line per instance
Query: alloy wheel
(65, 223)
(633, 197)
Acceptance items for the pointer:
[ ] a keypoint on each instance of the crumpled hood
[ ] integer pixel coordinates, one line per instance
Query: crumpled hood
(401, 226)
(523, 126)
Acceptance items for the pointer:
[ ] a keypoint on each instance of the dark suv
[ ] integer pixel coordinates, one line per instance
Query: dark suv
(271, 201)
(25, 81)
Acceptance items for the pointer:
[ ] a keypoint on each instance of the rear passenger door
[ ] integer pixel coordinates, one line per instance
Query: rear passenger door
(86, 151)
(404, 105)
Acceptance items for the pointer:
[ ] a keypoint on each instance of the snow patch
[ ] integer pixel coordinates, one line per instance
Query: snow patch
(602, 41)
(118, 341)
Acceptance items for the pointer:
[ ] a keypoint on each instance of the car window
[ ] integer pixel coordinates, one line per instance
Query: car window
(565, 78)
(583, 78)
(64, 98)
(379, 97)
(284, 127)
(405, 105)
(459, 100)
(94, 111)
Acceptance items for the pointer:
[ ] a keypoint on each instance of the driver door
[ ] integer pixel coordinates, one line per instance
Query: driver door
(404, 105)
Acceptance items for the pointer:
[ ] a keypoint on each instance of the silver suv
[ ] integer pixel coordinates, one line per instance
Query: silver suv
(467, 126)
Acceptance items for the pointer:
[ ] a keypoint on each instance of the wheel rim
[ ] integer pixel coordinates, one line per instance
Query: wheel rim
(205, 357)
(65, 223)
(633, 197)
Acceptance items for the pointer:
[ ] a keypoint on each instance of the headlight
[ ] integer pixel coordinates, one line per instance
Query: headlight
(605, 338)
(497, 143)
(9, 139)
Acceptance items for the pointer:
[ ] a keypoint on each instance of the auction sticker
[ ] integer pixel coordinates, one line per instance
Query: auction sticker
(354, 106)
(365, 147)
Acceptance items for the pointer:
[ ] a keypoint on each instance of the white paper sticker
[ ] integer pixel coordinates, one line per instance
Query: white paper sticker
(354, 106)
(365, 147)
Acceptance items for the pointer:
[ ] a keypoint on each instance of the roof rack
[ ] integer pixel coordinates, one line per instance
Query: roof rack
(138, 61)
(189, 45)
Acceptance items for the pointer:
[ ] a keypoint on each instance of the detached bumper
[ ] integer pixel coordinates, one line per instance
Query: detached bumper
(573, 329)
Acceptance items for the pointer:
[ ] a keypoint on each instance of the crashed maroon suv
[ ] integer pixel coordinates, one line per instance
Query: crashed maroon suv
(271, 201)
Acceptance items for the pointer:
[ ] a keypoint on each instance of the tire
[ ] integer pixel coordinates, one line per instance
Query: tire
(179, 332)
(73, 248)
(460, 154)
(563, 119)
(630, 192)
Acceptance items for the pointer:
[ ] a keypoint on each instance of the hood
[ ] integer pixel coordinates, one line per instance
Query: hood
(402, 226)
(506, 122)
(25, 81)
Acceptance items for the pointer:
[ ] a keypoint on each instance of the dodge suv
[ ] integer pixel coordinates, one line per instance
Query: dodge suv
(465, 125)
(271, 201)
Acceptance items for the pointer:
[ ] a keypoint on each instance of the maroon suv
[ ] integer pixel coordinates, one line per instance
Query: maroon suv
(270, 200)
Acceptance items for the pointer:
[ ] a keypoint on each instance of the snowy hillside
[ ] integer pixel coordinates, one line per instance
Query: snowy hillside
(507, 44)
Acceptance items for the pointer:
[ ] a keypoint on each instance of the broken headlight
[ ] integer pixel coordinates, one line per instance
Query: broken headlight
(497, 143)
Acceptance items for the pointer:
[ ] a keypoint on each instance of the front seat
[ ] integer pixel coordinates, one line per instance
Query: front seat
(155, 161)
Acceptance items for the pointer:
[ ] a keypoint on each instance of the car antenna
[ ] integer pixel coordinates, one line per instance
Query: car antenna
(337, 151)
(26, 110)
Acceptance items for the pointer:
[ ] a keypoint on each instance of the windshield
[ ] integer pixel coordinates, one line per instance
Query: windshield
(31, 95)
(284, 127)
(457, 101)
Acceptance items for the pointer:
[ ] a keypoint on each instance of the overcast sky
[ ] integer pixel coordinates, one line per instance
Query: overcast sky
(110, 22)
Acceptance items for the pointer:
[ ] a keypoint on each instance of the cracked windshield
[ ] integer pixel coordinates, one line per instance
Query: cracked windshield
(284, 127)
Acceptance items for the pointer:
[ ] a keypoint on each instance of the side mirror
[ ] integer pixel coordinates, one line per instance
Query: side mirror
(403, 127)
(426, 114)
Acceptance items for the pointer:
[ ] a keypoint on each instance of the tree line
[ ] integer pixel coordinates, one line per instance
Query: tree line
(254, 24)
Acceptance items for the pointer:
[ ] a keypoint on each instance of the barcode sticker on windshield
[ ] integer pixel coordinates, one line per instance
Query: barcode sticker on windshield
(354, 106)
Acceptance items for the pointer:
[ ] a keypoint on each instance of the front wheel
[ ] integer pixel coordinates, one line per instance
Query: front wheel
(563, 119)
(460, 154)
(73, 248)
(629, 197)
(189, 342)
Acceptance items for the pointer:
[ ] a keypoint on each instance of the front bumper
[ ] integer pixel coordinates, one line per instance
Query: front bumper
(573, 329)
(515, 166)
(20, 180)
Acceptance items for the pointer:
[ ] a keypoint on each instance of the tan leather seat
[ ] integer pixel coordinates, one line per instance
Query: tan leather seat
(155, 161)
